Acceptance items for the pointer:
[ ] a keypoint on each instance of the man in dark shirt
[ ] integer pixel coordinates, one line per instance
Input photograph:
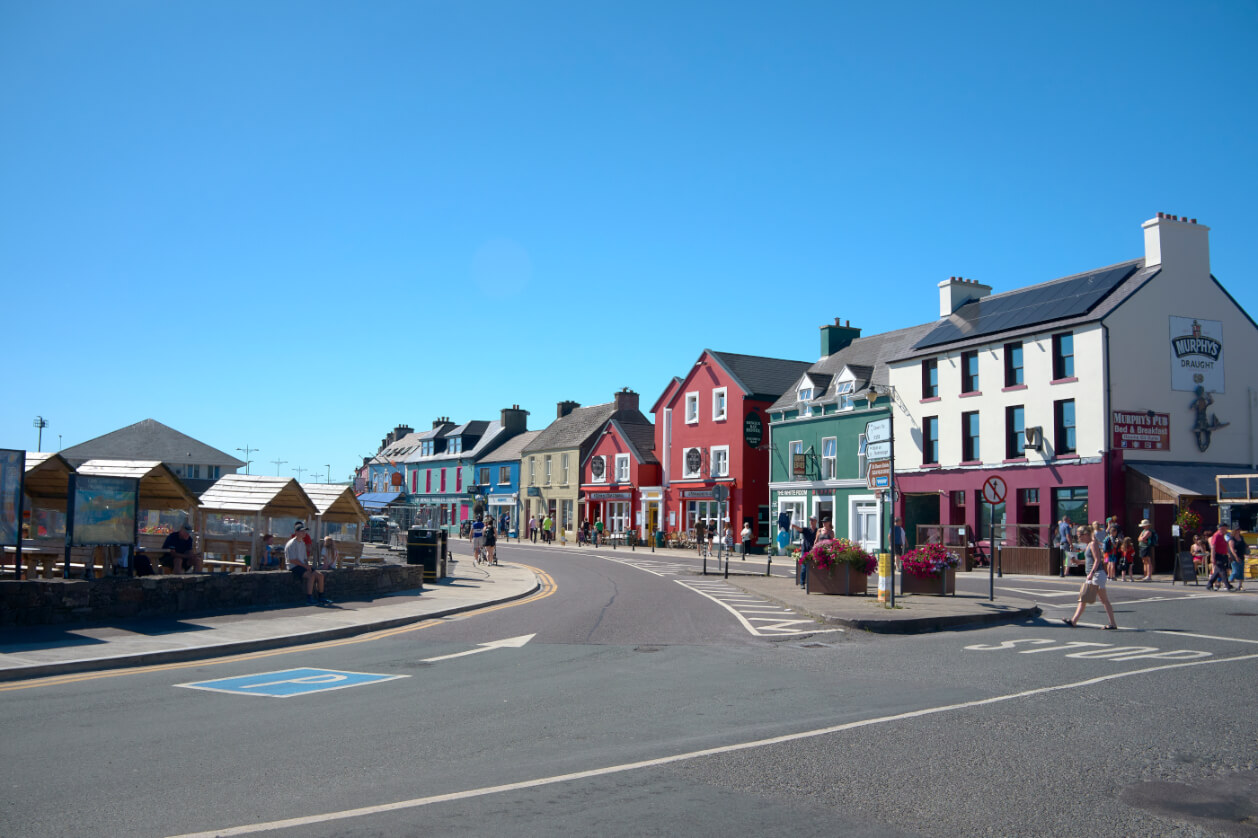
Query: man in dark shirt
(178, 546)
(809, 536)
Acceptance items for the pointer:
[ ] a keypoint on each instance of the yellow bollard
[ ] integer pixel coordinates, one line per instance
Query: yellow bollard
(886, 577)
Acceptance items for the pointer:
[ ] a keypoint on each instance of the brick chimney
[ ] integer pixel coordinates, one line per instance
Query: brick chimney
(441, 421)
(837, 337)
(956, 292)
(1178, 244)
(514, 420)
(626, 399)
(564, 408)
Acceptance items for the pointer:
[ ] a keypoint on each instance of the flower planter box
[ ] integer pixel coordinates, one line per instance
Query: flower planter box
(945, 585)
(840, 580)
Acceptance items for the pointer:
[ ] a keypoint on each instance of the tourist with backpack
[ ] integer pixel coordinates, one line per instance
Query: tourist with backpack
(1145, 546)
(1241, 549)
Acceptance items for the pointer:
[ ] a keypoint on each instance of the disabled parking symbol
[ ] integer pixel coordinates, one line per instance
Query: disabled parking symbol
(287, 683)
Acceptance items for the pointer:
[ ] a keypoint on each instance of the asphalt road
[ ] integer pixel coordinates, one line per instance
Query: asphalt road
(640, 704)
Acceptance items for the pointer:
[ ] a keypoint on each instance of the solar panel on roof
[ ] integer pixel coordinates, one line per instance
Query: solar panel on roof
(1019, 309)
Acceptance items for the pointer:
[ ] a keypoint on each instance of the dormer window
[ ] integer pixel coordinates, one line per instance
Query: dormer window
(805, 397)
(844, 391)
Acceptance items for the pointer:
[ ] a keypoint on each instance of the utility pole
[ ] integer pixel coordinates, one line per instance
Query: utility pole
(41, 423)
(247, 451)
(279, 463)
(300, 471)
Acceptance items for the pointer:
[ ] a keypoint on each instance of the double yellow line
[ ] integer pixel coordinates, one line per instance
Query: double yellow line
(548, 587)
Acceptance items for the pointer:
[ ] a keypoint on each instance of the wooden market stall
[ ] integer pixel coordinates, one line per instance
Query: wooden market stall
(341, 516)
(46, 485)
(165, 502)
(240, 508)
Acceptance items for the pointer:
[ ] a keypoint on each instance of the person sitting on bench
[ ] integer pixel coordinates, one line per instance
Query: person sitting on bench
(299, 565)
(179, 555)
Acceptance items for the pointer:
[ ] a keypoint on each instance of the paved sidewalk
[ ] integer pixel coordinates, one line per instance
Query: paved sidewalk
(38, 651)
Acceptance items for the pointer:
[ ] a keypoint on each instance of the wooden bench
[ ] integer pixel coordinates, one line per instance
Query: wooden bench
(230, 554)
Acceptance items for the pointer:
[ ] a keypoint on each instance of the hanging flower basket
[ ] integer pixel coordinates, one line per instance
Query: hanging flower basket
(837, 566)
(1188, 520)
(929, 569)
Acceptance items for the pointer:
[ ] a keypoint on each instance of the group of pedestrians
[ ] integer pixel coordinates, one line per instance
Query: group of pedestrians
(1228, 550)
(484, 541)
(545, 527)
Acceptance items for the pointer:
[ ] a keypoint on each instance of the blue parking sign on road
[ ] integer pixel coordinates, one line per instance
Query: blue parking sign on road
(287, 683)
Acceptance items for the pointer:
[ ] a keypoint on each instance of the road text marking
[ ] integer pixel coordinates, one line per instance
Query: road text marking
(287, 683)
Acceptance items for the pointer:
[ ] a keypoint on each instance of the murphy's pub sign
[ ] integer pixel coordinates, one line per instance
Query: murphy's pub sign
(1196, 354)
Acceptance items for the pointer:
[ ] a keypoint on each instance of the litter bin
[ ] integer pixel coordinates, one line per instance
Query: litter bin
(421, 548)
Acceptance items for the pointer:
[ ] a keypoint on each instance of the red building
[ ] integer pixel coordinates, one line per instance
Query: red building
(711, 429)
(620, 479)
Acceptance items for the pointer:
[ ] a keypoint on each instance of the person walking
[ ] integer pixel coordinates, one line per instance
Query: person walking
(701, 536)
(899, 540)
(1095, 567)
(746, 539)
(1145, 545)
(1110, 547)
(1240, 549)
(808, 536)
(491, 543)
(598, 532)
(478, 538)
(1222, 553)
(548, 529)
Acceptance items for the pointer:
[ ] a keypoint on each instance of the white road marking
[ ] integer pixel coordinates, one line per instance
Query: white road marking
(719, 592)
(508, 643)
(485, 791)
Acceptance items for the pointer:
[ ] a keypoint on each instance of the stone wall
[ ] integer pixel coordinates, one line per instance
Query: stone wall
(57, 601)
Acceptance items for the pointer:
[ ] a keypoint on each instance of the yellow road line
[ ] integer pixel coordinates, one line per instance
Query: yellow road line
(548, 588)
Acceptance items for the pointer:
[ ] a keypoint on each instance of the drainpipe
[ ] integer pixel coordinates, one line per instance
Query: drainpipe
(1106, 432)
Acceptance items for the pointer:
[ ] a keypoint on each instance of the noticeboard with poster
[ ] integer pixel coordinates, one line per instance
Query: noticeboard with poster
(12, 469)
(103, 510)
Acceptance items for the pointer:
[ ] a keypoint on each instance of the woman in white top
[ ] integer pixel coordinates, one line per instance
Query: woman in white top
(1095, 566)
(327, 556)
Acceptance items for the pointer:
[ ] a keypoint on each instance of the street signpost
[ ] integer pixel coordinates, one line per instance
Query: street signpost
(719, 494)
(880, 449)
(878, 475)
(994, 491)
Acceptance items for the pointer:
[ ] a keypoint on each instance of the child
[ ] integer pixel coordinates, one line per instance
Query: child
(1128, 559)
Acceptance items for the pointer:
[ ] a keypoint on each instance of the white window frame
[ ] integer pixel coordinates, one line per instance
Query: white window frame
(622, 468)
(854, 502)
(805, 400)
(795, 446)
(532, 471)
(692, 408)
(716, 455)
(686, 473)
(504, 475)
(798, 507)
(549, 470)
(563, 469)
(862, 459)
(721, 394)
(830, 463)
(603, 478)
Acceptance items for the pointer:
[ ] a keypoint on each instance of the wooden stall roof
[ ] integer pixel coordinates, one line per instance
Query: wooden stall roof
(336, 503)
(278, 496)
(47, 478)
(158, 484)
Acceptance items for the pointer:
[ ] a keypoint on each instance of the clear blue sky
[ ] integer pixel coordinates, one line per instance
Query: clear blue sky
(293, 225)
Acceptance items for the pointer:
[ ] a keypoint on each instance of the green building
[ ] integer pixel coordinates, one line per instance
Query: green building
(819, 466)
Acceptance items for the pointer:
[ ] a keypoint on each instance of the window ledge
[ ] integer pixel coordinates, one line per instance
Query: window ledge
(931, 399)
(971, 394)
(1071, 380)
(970, 463)
(1016, 460)
(931, 465)
(1013, 387)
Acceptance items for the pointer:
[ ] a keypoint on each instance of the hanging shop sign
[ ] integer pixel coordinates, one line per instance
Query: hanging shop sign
(696, 494)
(1196, 354)
(1144, 431)
(799, 464)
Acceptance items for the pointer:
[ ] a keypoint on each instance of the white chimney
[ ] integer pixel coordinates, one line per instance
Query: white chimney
(1177, 244)
(956, 292)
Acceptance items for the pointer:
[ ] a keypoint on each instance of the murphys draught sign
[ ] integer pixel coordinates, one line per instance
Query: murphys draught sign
(1196, 354)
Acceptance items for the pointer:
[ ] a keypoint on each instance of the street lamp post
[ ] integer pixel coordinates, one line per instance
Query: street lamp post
(247, 451)
(327, 475)
(300, 471)
(278, 463)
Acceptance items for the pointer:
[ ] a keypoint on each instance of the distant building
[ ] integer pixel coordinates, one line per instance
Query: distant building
(198, 464)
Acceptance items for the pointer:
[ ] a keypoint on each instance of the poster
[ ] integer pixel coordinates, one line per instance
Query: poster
(12, 469)
(1196, 354)
(104, 509)
(1141, 430)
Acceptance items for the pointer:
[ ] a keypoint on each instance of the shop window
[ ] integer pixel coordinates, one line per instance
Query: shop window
(1013, 364)
(1071, 502)
(930, 378)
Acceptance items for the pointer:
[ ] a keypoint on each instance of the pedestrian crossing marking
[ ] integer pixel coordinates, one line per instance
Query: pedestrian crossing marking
(737, 602)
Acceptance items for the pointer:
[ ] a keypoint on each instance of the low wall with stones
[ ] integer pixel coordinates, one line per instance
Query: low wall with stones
(59, 601)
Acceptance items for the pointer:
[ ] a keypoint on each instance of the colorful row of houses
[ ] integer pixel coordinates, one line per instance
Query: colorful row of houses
(1102, 393)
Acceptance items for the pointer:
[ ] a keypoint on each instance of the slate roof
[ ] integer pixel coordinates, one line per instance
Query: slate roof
(641, 439)
(867, 356)
(578, 428)
(150, 440)
(759, 377)
(491, 436)
(510, 450)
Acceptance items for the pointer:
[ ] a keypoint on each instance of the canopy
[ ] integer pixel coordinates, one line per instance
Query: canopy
(47, 479)
(273, 496)
(1172, 482)
(377, 501)
(159, 486)
(335, 503)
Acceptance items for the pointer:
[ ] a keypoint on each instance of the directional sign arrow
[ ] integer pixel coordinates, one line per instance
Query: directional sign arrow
(509, 643)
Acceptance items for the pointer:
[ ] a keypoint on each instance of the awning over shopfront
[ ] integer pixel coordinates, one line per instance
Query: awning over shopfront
(376, 501)
(1174, 482)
